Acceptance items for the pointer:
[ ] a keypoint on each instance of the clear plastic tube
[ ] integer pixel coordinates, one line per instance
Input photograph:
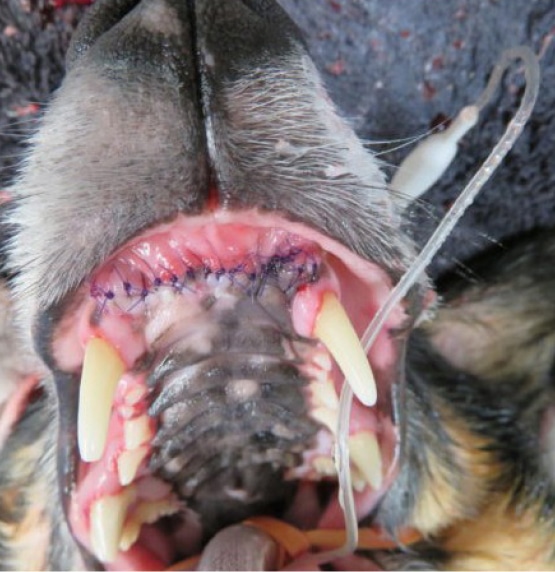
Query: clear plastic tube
(465, 199)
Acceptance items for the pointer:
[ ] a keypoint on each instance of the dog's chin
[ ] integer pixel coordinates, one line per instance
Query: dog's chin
(206, 358)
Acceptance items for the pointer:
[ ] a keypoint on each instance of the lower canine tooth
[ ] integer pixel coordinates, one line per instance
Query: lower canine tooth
(108, 515)
(146, 513)
(366, 457)
(335, 331)
(102, 369)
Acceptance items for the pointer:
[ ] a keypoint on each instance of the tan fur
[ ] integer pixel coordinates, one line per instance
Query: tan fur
(500, 539)
(475, 524)
(15, 363)
(24, 514)
(446, 497)
(482, 337)
(479, 524)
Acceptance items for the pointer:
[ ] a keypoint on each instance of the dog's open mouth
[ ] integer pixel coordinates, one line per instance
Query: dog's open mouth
(211, 353)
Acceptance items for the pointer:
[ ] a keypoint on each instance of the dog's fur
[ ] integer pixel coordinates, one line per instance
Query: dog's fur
(480, 376)
(478, 474)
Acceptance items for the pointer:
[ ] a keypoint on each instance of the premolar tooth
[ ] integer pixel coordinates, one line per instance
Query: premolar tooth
(335, 331)
(128, 464)
(366, 457)
(327, 417)
(108, 515)
(324, 466)
(102, 369)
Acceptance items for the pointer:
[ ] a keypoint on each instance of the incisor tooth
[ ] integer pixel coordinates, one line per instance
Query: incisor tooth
(102, 369)
(324, 395)
(359, 484)
(128, 464)
(335, 331)
(136, 432)
(366, 457)
(107, 517)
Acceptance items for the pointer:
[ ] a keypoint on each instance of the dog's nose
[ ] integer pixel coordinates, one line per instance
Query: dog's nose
(184, 39)
(237, 36)
(153, 38)
(191, 52)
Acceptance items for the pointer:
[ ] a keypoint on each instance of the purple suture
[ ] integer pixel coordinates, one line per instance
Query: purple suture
(287, 271)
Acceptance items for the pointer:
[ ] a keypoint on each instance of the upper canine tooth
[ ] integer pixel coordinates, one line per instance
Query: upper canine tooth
(102, 369)
(366, 457)
(335, 331)
(108, 515)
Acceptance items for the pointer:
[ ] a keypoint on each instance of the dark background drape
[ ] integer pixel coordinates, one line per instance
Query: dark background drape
(395, 69)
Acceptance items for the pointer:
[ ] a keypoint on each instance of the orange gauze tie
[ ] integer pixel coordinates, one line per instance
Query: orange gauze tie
(187, 564)
(294, 542)
(291, 541)
(368, 538)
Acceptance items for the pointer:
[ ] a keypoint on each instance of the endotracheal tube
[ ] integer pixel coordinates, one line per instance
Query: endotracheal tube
(466, 119)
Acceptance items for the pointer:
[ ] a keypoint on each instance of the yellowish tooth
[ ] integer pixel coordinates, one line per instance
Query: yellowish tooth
(359, 484)
(126, 412)
(327, 417)
(136, 432)
(319, 366)
(335, 331)
(324, 395)
(129, 535)
(128, 464)
(366, 457)
(145, 513)
(102, 369)
(135, 395)
(108, 515)
(324, 466)
(322, 360)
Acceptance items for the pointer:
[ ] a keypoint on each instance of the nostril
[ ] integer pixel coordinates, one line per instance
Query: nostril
(244, 34)
(131, 40)
(100, 18)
